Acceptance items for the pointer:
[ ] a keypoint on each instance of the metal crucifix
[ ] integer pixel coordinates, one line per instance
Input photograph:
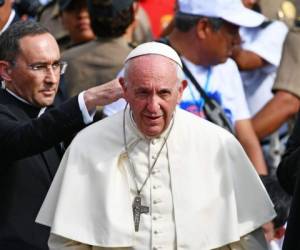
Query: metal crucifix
(138, 209)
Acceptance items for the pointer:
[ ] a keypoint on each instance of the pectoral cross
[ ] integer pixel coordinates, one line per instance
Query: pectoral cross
(138, 209)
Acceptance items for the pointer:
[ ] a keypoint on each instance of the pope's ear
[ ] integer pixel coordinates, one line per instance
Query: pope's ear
(184, 83)
(123, 83)
(5, 71)
(182, 86)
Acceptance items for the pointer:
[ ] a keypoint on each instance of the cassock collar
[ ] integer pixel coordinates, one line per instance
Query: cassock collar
(39, 113)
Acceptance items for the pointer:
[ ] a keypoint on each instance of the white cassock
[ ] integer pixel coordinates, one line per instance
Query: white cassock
(215, 193)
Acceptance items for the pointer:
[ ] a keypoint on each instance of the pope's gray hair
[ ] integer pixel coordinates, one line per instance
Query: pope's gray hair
(179, 71)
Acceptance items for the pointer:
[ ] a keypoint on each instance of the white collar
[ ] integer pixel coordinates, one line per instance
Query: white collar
(16, 96)
(42, 110)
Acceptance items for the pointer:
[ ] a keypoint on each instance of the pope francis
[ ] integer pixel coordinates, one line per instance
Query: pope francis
(154, 176)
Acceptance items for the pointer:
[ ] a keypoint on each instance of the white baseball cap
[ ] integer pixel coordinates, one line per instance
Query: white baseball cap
(155, 48)
(233, 11)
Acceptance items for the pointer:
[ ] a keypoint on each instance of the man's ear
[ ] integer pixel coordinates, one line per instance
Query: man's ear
(202, 27)
(124, 87)
(123, 83)
(5, 71)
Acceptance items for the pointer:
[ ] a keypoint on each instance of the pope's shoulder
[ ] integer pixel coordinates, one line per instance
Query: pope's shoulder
(110, 130)
(196, 124)
(107, 130)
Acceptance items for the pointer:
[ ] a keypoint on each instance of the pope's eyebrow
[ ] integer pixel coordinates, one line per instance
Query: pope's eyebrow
(165, 91)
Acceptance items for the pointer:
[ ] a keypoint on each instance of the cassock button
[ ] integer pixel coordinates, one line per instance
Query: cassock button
(123, 156)
(156, 201)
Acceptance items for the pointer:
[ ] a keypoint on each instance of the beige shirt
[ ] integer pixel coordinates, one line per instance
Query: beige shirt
(288, 73)
(94, 63)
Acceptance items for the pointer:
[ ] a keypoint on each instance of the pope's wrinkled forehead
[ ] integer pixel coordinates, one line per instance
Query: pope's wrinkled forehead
(152, 68)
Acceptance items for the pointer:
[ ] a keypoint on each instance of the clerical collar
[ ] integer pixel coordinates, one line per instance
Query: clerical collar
(18, 97)
(141, 135)
(137, 207)
(9, 21)
(42, 110)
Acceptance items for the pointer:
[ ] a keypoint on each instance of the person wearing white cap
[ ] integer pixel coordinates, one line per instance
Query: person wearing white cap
(155, 176)
(205, 34)
(258, 59)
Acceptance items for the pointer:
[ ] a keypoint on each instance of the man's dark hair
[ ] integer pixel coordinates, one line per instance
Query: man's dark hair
(184, 22)
(106, 25)
(27, 7)
(256, 7)
(9, 39)
(280, 199)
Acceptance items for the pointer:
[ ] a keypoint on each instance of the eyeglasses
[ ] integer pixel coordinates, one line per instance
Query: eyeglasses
(58, 67)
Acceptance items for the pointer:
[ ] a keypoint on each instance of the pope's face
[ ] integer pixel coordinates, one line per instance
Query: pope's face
(152, 90)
